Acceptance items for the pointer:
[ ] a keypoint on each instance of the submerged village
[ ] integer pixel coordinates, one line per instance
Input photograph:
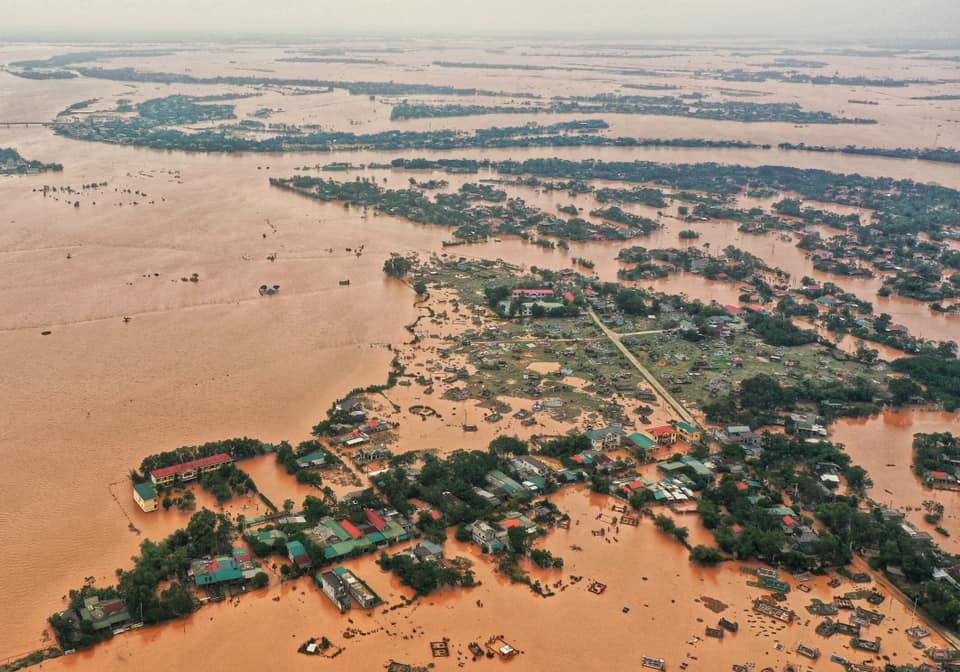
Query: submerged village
(683, 416)
(677, 390)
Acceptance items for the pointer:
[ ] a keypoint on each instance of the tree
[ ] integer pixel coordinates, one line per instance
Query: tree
(288, 505)
(420, 287)
(856, 477)
(706, 555)
(508, 445)
(517, 537)
(260, 580)
(397, 266)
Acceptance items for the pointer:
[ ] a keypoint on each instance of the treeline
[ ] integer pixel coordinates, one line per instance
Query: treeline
(641, 105)
(235, 448)
(935, 154)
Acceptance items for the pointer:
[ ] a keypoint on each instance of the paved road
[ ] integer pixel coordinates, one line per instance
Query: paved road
(649, 377)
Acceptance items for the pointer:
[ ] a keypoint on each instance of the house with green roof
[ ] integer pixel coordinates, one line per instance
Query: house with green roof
(101, 614)
(642, 441)
(145, 495)
(298, 554)
(688, 432)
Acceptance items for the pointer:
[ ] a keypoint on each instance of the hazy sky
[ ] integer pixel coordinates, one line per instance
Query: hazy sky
(779, 18)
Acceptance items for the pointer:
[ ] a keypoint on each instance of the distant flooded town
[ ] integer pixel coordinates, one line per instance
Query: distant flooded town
(438, 356)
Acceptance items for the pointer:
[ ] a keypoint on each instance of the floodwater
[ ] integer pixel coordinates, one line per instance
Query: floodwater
(206, 360)
(883, 445)
(645, 572)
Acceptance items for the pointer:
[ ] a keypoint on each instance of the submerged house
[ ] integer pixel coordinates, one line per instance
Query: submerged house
(145, 495)
(335, 589)
(187, 471)
(101, 614)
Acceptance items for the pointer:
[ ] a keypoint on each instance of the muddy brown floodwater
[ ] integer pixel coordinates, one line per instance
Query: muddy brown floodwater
(212, 359)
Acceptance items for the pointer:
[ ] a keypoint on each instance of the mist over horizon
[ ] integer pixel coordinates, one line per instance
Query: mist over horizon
(890, 21)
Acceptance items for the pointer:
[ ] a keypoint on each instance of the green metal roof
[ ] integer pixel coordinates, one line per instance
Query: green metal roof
(641, 440)
(393, 531)
(145, 490)
(337, 529)
(375, 538)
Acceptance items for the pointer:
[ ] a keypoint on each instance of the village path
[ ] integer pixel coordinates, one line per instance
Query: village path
(649, 377)
(534, 339)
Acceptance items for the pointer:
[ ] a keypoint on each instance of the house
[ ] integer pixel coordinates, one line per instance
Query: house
(527, 466)
(640, 440)
(187, 471)
(607, 438)
(487, 537)
(298, 554)
(831, 481)
(317, 459)
(533, 293)
(233, 568)
(145, 495)
(688, 432)
(350, 405)
(499, 479)
(425, 551)
(359, 591)
(665, 435)
(335, 589)
(372, 454)
(101, 614)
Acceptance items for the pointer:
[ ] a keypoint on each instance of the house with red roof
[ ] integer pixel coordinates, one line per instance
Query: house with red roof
(351, 529)
(666, 435)
(187, 471)
(375, 519)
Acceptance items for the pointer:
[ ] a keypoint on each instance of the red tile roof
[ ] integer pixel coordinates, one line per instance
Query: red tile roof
(939, 474)
(568, 295)
(789, 520)
(513, 522)
(375, 519)
(741, 485)
(665, 429)
(219, 458)
(351, 529)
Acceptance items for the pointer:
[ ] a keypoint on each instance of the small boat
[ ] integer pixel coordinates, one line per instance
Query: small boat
(469, 428)
(345, 283)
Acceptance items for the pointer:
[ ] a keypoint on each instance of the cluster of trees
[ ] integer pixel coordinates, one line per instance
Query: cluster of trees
(935, 452)
(676, 106)
(397, 266)
(668, 525)
(425, 577)
(938, 374)
(167, 561)
(12, 163)
(779, 331)
(227, 480)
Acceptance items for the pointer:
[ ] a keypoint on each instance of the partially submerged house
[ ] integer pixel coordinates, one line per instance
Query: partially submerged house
(145, 495)
(187, 471)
